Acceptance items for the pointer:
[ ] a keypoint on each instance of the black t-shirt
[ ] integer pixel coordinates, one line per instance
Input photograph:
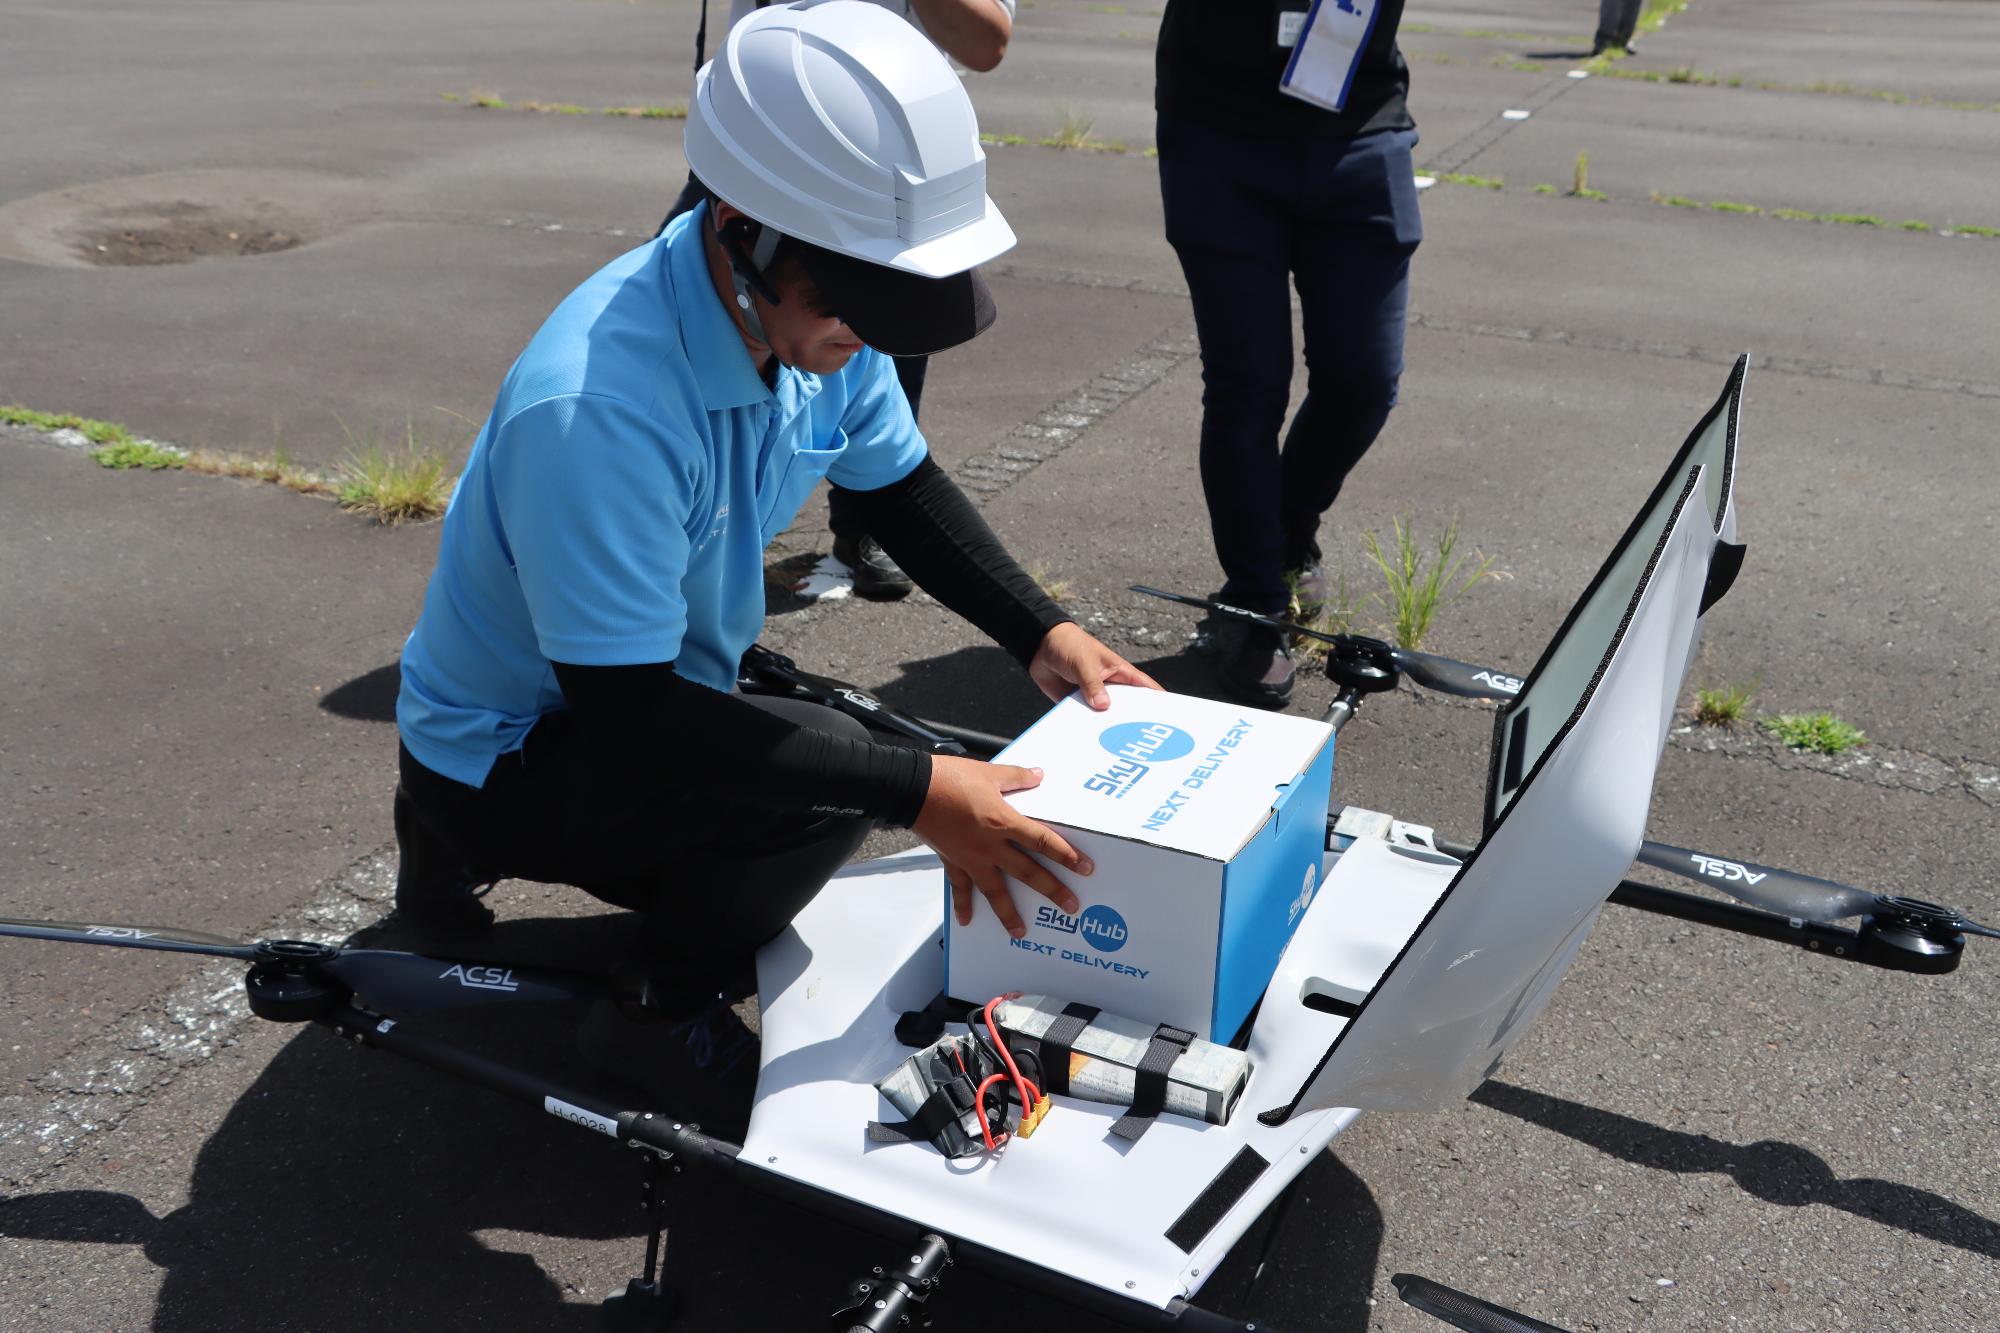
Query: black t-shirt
(1219, 62)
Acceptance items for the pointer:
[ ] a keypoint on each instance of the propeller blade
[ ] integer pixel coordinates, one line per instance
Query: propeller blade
(1446, 675)
(1785, 892)
(1974, 928)
(1238, 613)
(405, 984)
(1463, 1311)
(160, 938)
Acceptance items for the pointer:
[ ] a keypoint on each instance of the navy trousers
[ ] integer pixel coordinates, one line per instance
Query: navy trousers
(1249, 217)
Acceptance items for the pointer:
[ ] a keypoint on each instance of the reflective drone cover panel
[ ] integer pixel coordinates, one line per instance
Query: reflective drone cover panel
(1479, 969)
(1529, 722)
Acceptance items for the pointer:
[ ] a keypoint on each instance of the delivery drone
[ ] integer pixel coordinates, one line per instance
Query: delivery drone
(1413, 968)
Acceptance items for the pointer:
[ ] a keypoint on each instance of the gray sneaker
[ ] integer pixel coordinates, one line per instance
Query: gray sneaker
(1253, 665)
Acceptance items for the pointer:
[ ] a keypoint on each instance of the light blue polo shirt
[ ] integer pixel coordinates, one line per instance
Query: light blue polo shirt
(616, 505)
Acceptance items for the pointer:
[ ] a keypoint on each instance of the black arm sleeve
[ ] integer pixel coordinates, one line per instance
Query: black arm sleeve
(635, 716)
(928, 527)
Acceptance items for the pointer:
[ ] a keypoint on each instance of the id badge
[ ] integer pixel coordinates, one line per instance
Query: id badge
(1291, 21)
(1327, 51)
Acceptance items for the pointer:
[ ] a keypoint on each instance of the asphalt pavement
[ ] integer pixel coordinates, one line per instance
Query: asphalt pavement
(1702, 1131)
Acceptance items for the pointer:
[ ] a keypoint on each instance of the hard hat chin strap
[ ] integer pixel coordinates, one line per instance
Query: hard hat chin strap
(746, 270)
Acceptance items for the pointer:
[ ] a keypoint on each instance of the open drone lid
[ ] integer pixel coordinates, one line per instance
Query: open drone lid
(1500, 936)
(1528, 724)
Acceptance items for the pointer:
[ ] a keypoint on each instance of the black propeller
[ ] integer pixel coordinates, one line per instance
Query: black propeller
(1463, 1311)
(404, 983)
(1446, 675)
(129, 937)
(1802, 897)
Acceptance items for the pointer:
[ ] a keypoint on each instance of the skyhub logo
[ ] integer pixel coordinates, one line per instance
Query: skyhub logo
(1099, 926)
(1135, 747)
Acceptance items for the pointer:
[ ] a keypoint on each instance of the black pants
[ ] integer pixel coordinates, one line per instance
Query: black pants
(715, 879)
(1249, 217)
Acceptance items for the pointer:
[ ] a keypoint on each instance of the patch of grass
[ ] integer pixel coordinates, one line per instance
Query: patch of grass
(1421, 583)
(1794, 215)
(1055, 588)
(553, 108)
(1914, 224)
(393, 484)
(487, 101)
(1723, 705)
(1675, 200)
(1579, 174)
(1072, 130)
(671, 111)
(1657, 12)
(1477, 182)
(97, 432)
(1820, 733)
(277, 468)
(124, 454)
(1151, 151)
(1005, 140)
(1968, 229)
(1547, 189)
(1591, 194)
(451, 97)
(1724, 206)
(1852, 219)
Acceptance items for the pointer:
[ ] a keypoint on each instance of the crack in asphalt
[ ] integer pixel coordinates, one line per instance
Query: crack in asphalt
(116, 1072)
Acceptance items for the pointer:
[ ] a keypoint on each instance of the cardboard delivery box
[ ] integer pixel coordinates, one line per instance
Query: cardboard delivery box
(1207, 822)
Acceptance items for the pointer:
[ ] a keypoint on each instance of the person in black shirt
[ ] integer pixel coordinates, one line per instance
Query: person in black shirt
(1262, 190)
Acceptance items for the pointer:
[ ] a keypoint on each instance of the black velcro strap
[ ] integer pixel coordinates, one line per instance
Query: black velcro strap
(939, 1112)
(1723, 567)
(1057, 1043)
(1213, 1204)
(1149, 1085)
(921, 1027)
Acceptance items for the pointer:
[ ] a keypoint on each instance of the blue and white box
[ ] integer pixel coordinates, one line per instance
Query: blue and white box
(1207, 824)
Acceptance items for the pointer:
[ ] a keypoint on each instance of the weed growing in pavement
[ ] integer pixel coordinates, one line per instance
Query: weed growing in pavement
(1005, 140)
(1477, 182)
(1723, 705)
(1852, 219)
(1546, 188)
(1724, 206)
(1579, 179)
(1794, 215)
(486, 101)
(392, 485)
(1072, 130)
(1419, 584)
(123, 454)
(1914, 224)
(1821, 733)
(1055, 588)
(97, 432)
(1657, 12)
(1967, 229)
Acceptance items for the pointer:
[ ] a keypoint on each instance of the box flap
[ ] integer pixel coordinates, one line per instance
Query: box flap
(1170, 770)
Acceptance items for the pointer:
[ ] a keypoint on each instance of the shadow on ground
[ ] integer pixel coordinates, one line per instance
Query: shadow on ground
(1779, 1173)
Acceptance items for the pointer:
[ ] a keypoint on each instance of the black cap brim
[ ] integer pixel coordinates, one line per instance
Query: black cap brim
(903, 314)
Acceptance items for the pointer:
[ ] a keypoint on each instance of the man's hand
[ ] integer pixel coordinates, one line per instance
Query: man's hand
(1071, 659)
(972, 32)
(981, 839)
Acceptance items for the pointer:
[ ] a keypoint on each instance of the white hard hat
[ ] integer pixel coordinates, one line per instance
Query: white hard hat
(837, 123)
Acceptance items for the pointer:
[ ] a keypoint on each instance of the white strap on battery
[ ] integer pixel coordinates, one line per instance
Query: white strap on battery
(1321, 70)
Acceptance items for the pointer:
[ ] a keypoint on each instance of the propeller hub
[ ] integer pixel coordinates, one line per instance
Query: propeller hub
(1365, 665)
(293, 955)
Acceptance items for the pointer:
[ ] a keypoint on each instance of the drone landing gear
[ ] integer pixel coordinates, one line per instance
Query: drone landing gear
(647, 1306)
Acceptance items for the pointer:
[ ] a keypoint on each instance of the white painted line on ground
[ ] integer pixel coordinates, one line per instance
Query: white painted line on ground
(1514, 113)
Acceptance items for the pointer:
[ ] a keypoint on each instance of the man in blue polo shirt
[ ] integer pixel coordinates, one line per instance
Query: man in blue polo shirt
(566, 711)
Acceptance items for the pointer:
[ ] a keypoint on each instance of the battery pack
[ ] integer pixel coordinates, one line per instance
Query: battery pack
(1203, 1083)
